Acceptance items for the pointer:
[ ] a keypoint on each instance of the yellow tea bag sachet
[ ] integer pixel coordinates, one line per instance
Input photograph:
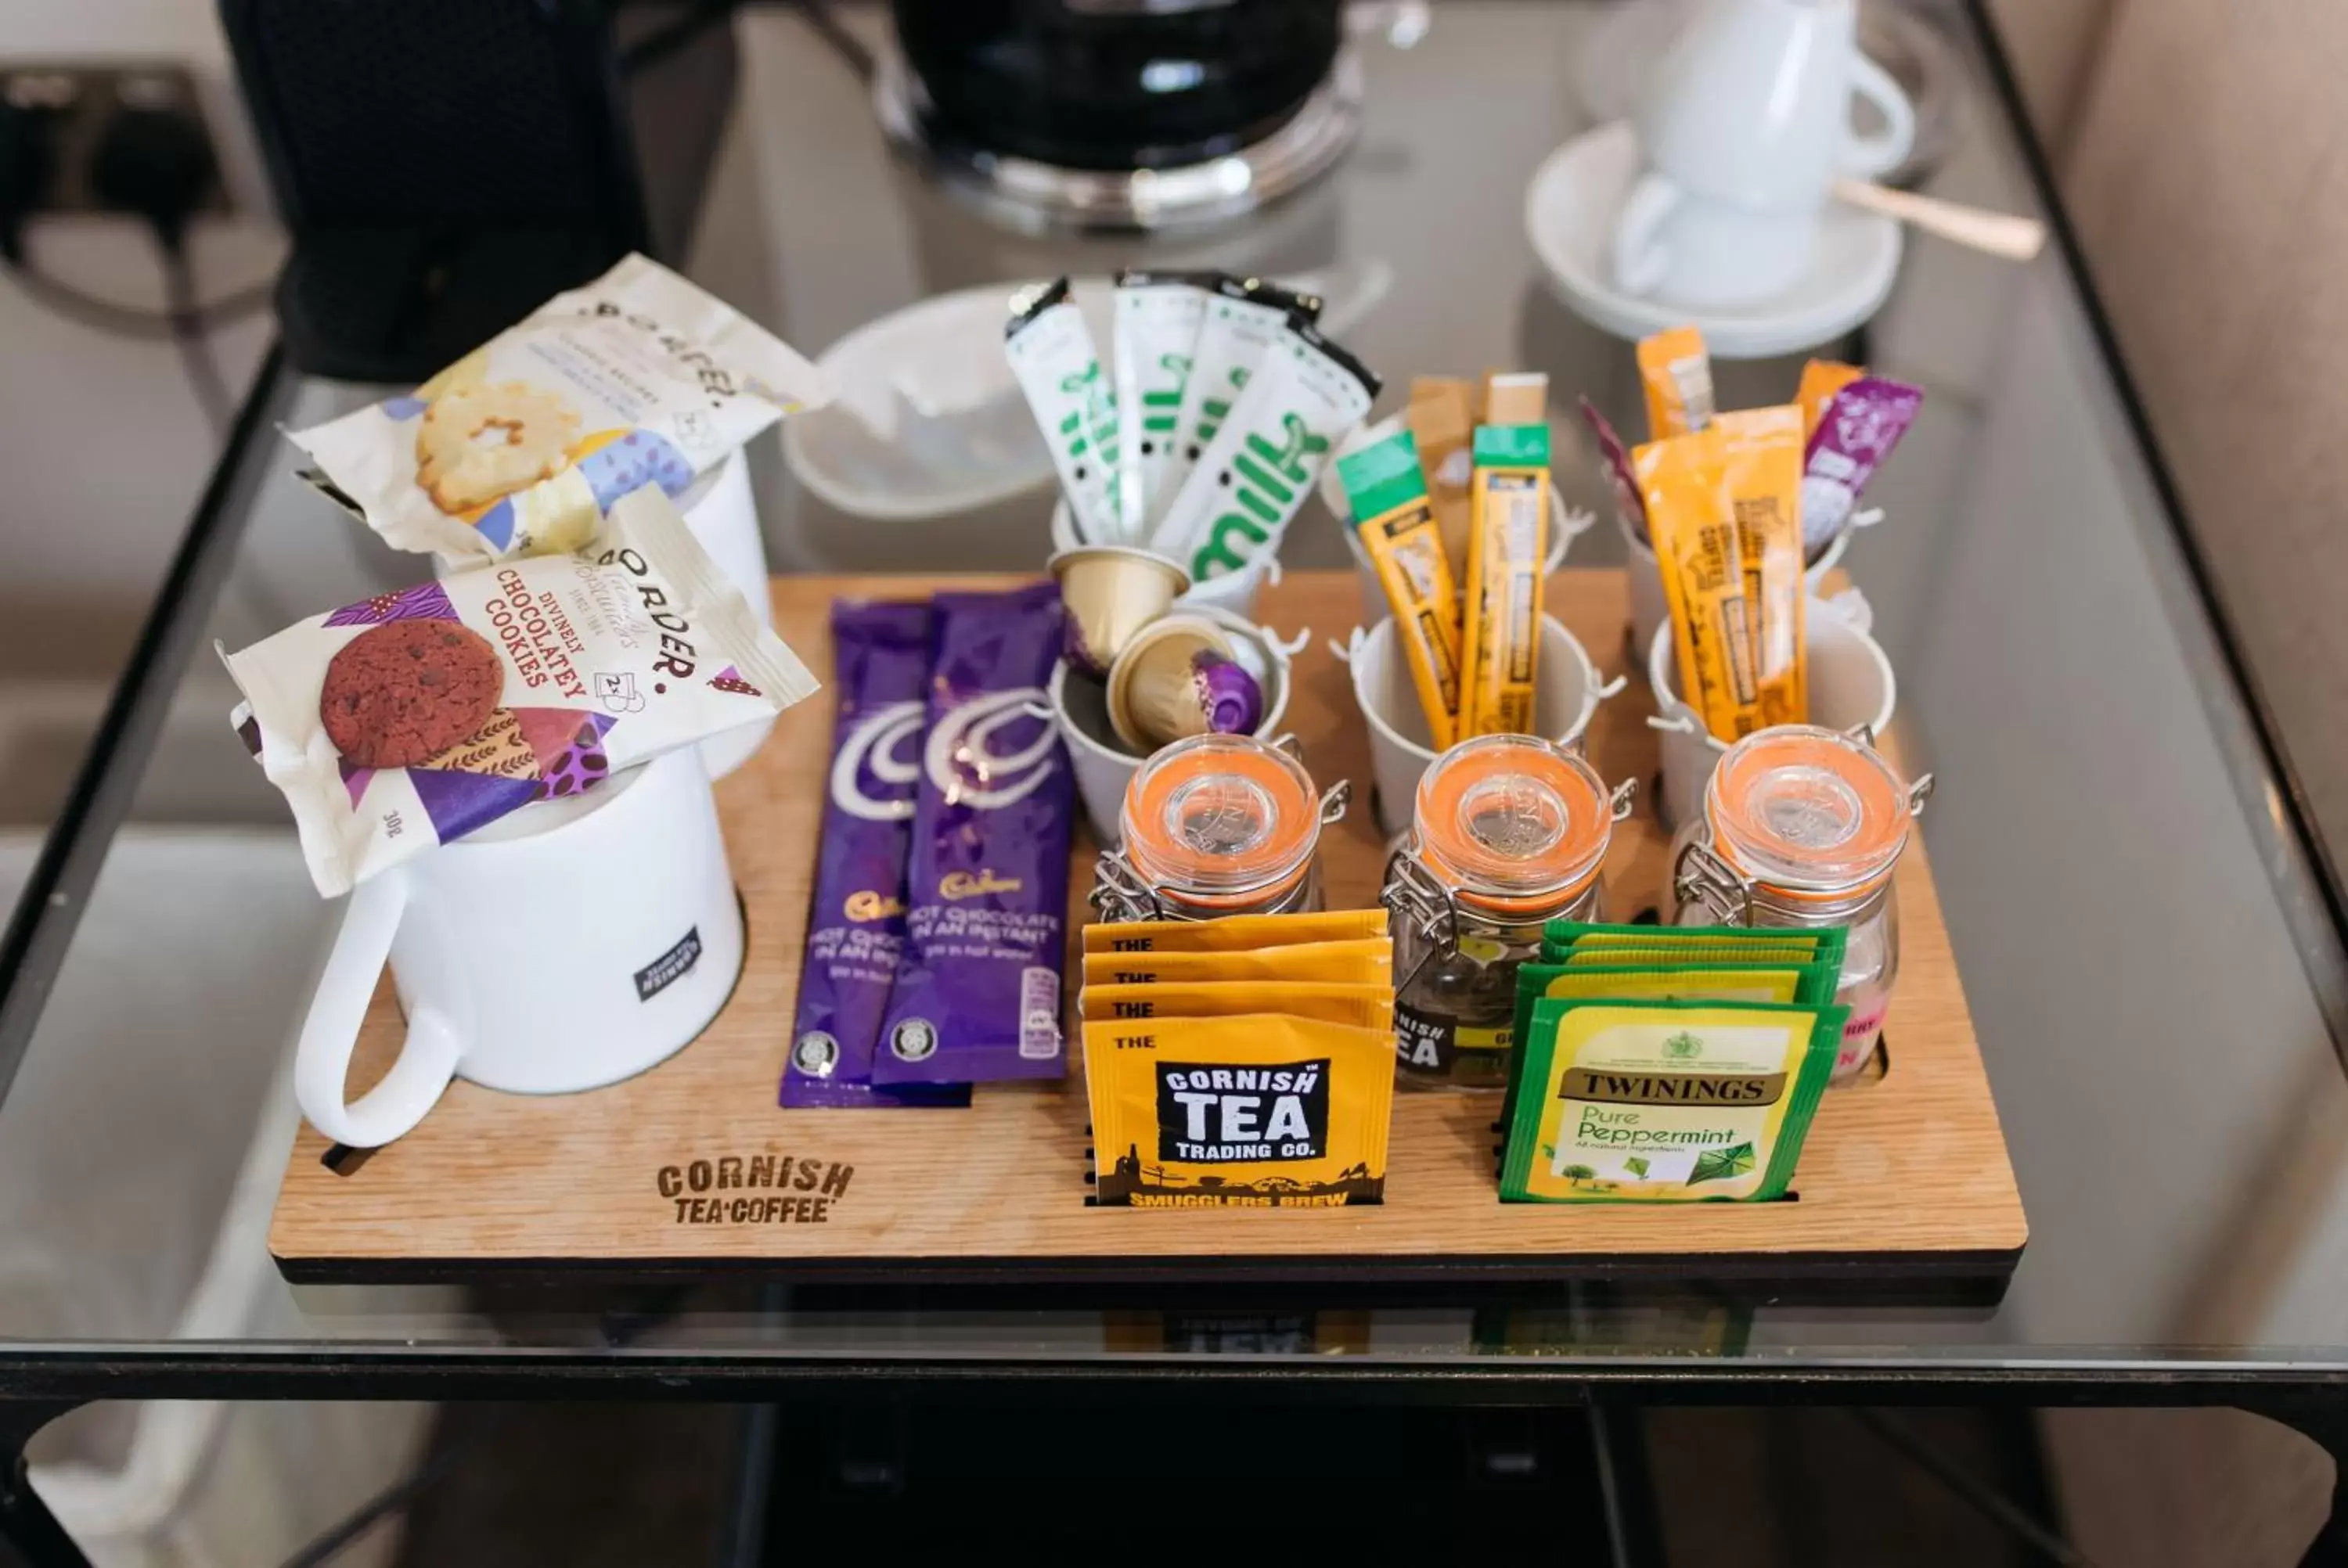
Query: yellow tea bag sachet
(1762, 459)
(1258, 1111)
(1821, 379)
(1361, 1006)
(1233, 933)
(1366, 962)
(1675, 372)
(1691, 523)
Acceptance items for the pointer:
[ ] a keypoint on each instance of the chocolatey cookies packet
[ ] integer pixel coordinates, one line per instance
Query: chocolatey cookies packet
(415, 717)
(978, 995)
(856, 919)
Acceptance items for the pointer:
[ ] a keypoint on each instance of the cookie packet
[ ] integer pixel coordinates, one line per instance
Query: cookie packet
(1761, 451)
(1254, 1111)
(517, 449)
(977, 995)
(415, 717)
(856, 915)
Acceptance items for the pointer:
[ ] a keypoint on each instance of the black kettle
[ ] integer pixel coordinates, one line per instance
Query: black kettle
(1114, 84)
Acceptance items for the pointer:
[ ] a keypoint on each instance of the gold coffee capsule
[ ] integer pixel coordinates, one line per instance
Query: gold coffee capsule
(1178, 677)
(1111, 592)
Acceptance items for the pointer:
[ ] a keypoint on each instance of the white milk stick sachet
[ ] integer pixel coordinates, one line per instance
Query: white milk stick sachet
(418, 716)
(1241, 322)
(1059, 371)
(1157, 319)
(521, 447)
(1303, 399)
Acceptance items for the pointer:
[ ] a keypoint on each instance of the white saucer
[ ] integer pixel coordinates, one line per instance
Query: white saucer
(1570, 211)
(927, 421)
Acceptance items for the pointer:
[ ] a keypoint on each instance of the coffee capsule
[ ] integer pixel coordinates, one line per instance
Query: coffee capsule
(1111, 592)
(1181, 677)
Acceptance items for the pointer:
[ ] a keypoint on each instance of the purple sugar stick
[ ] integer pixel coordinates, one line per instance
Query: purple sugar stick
(978, 995)
(1857, 432)
(856, 922)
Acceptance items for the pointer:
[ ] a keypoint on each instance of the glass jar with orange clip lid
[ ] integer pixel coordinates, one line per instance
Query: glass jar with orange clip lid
(1803, 827)
(1218, 824)
(1508, 831)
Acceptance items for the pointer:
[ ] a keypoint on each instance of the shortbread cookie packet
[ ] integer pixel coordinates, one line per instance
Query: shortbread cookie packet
(421, 716)
(520, 447)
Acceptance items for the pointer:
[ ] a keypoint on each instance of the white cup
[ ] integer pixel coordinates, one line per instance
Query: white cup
(568, 946)
(1104, 766)
(1850, 684)
(1648, 608)
(1565, 524)
(1745, 127)
(1233, 591)
(1566, 691)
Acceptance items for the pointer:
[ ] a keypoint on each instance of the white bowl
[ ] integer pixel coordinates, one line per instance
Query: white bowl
(1567, 691)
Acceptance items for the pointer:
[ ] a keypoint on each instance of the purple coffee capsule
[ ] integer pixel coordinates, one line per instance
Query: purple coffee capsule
(1228, 696)
(856, 922)
(978, 994)
(1855, 435)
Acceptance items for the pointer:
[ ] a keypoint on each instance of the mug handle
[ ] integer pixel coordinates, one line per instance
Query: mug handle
(1640, 260)
(1869, 156)
(428, 1058)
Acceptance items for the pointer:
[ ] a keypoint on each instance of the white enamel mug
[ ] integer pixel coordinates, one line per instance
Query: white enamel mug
(565, 946)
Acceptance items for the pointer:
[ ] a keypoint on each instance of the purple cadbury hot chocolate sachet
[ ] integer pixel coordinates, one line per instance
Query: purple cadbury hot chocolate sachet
(978, 995)
(856, 922)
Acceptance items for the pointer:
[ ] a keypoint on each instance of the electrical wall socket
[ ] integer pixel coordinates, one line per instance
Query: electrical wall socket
(75, 99)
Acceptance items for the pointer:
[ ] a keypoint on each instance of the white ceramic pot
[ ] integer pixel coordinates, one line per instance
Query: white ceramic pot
(1648, 609)
(1234, 592)
(1850, 684)
(1565, 524)
(1105, 764)
(1567, 691)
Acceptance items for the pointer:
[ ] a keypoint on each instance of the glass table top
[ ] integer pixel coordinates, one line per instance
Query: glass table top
(2153, 981)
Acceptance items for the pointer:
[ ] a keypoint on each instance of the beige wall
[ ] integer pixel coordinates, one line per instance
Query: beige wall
(2206, 178)
(2051, 44)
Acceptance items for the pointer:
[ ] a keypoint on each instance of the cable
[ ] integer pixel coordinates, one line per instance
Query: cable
(134, 320)
(1984, 1498)
(204, 378)
(834, 31)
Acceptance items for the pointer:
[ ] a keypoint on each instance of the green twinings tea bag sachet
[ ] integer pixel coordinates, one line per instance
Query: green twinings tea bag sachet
(1703, 979)
(1665, 1102)
(1566, 941)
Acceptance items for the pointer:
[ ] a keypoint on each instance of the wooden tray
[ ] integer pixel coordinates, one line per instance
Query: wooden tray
(1905, 1175)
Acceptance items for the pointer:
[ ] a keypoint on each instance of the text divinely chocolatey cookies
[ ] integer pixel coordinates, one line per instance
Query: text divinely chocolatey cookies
(399, 693)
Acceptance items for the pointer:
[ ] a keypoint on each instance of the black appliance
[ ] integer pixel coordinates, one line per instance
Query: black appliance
(443, 166)
(1053, 106)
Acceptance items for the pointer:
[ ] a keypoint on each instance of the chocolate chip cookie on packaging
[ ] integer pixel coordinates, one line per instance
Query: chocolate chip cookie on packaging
(418, 716)
(521, 446)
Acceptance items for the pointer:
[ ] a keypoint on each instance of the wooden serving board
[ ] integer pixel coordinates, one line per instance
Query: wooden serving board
(1907, 1174)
